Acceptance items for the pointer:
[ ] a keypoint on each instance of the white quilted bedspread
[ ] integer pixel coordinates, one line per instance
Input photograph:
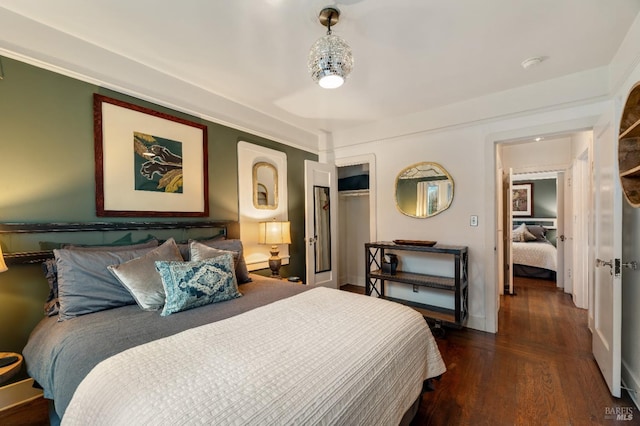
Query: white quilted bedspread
(322, 357)
(541, 255)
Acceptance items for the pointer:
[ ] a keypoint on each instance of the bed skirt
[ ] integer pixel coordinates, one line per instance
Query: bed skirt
(533, 272)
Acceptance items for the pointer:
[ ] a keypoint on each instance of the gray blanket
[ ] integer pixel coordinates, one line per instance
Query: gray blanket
(59, 355)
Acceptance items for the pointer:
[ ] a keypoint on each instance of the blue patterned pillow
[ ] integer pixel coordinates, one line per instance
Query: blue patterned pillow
(197, 283)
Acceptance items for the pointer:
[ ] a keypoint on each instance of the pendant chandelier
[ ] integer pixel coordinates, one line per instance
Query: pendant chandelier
(330, 58)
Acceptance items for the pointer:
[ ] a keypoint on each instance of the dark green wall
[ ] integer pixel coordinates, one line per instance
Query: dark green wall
(544, 197)
(47, 175)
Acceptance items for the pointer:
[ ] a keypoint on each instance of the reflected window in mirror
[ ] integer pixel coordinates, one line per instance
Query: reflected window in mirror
(265, 186)
(424, 190)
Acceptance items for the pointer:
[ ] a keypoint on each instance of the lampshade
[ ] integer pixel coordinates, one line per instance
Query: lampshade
(3, 266)
(330, 58)
(274, 232)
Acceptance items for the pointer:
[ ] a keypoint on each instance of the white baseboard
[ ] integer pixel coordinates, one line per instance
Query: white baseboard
(631, 382)
(18, 393)
(476, 323)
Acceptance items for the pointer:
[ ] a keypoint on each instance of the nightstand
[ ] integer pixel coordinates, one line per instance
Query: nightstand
(22, 404)
(299, 281)
(10, 370)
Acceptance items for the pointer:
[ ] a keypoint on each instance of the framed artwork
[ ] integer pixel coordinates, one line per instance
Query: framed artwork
(148, 163)
(522, 199)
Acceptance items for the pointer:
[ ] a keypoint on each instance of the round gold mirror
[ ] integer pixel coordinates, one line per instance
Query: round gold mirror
(424, 190)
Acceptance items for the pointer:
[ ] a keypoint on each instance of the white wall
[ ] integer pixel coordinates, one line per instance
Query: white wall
(550, 154)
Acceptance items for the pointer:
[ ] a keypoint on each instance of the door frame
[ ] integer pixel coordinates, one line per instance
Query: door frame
(492, 239)
(533, 174)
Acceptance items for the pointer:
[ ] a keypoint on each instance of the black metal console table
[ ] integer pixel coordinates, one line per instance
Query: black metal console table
(458, 285)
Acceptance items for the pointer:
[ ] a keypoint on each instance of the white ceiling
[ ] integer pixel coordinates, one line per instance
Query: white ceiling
(410, 55)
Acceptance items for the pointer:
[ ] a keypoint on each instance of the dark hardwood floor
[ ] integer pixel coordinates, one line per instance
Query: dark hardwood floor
(537, 370)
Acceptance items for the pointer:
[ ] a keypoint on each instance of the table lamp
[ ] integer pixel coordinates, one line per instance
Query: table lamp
(274, 233)
(3, 266)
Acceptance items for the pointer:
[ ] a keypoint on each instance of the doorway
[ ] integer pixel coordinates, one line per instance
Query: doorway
(559, 163)
(356, 216)
(536, 250)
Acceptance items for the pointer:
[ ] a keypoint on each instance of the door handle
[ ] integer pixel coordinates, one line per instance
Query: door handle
(615, 265)
(600, 262)
(562, 237)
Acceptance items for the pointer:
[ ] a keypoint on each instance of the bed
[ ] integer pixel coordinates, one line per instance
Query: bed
(272, 353)
(534, 256)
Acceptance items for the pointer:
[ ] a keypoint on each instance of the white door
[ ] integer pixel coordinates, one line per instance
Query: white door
(500, 244)
(321, 223)
(606, 315)
(580, 232)
(561, 197)
(572, 211)
(509, 230)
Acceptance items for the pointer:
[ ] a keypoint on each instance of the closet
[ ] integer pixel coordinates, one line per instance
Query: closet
(354, 222)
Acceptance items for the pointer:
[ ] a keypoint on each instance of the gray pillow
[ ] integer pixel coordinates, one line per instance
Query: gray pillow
(522, 234)
(85, 285)
(539, 232)
(199, 251)
(141, 278)
(197, 283)
(153, 242)
(242, 273)
(184, 250)
(184, 246)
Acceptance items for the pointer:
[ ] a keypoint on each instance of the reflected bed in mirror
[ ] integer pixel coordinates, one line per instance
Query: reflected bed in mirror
(265, 186)
(424, 190)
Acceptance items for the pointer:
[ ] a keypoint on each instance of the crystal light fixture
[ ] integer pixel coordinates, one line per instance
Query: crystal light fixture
(330, 58)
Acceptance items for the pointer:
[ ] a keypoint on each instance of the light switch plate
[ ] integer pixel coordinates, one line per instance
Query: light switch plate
(474, 220)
